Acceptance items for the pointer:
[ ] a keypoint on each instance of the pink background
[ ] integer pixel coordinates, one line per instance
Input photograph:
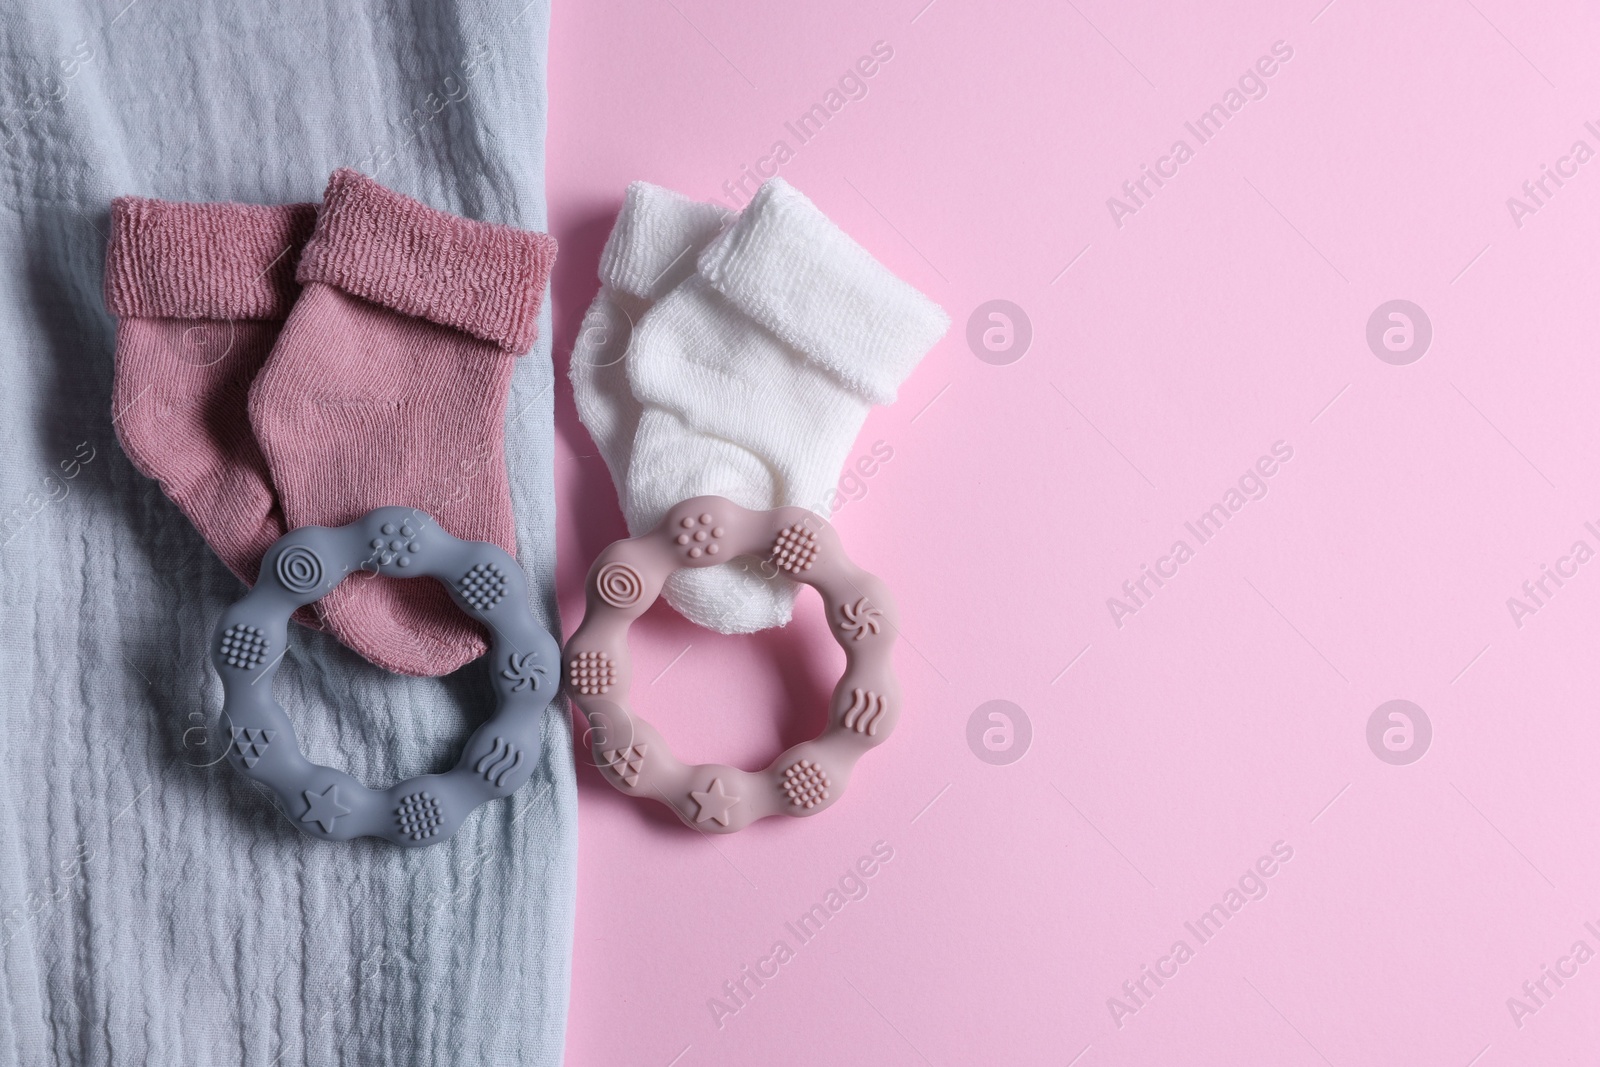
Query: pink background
(1230, 712)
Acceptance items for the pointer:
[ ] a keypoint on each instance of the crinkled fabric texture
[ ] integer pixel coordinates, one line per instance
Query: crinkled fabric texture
(154, 907)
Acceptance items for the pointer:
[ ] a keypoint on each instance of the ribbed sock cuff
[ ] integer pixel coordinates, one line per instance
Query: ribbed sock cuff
(477, 277)
(658, 235)
(172, 260)
(792, 270)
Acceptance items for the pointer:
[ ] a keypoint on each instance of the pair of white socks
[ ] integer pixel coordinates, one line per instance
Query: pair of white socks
(738, 355)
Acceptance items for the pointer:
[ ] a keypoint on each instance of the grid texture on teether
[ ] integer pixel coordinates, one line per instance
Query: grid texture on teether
(483, 586)
(418, 815)
(795, 548)
(243, 646)
(591, 673)
(806, 784)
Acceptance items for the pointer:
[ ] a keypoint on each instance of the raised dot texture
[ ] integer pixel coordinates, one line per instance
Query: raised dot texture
(419, 816)
(483, 586)
(591, 673)
(806, 784)
(795, 549)
(243, 646)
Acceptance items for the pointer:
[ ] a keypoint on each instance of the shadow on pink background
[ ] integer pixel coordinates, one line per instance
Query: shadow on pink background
(1217, 726)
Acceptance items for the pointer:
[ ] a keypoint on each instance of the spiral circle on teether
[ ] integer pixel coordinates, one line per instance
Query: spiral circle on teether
(619, 585)
(299, 569)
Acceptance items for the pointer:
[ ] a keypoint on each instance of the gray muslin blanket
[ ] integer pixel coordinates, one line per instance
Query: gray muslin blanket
(155, 909)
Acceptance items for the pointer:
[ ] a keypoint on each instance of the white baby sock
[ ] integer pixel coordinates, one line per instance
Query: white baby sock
(755, 374)
(654, 245)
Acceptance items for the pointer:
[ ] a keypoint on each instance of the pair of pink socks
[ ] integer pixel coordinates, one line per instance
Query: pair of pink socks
(297, 365)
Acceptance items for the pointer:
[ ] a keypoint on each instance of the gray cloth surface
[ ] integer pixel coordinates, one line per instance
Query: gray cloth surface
(155, 909)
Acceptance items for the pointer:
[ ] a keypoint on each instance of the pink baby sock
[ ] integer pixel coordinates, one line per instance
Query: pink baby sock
(200, 292)
(388, 386)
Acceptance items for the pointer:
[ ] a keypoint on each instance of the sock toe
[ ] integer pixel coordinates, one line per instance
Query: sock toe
(732, 598)
(409, 627)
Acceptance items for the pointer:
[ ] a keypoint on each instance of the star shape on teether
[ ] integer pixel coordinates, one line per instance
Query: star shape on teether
(715, 803)
(325, 808)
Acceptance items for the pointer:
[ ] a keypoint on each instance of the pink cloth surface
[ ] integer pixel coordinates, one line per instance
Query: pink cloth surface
(1175, 341)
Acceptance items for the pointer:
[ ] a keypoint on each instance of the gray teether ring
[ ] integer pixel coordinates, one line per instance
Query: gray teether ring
(303, 566)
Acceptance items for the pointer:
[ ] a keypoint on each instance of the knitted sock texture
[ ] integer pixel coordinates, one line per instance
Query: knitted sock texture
(200, 293)
(388, 385)
(654, 245)
(755, 375)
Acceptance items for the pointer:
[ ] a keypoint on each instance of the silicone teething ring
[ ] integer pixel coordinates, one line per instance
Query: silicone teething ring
(303, 566)
(626, 579)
